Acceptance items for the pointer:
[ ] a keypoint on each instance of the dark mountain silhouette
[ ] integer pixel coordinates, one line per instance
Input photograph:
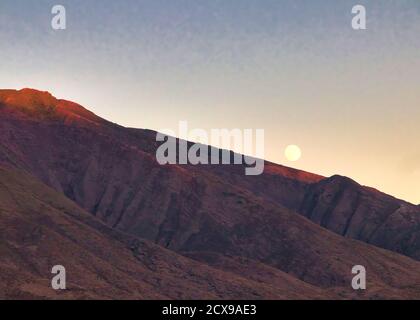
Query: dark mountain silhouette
(284, 234)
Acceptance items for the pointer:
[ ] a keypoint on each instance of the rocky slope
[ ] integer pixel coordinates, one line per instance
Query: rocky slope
(247, 226)
(341, 205)
(40, 228)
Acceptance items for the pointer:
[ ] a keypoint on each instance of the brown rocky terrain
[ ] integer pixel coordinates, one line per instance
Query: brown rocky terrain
(339, 204)
(284, 234)
(39, 228)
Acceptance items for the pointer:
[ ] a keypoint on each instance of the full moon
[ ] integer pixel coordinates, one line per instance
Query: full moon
(292, 153)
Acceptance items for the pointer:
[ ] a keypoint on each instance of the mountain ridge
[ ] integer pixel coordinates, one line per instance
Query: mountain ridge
(298, 223)
(75, 108)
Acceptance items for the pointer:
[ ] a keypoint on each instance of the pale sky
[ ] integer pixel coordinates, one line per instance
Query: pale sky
(349, 99)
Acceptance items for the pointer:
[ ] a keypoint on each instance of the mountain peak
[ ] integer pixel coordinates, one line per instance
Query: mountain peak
(27, 91)
(44, 97)
(42, 105)
(34, 92)
(28, 98)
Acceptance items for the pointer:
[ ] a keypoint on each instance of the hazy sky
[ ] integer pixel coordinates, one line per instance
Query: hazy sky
(350, 99)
